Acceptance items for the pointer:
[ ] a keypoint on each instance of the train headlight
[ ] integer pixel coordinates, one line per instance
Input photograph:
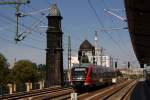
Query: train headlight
(114, 80)
(79, 78)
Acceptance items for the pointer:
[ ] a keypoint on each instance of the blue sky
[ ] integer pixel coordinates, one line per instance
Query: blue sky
(79, 20)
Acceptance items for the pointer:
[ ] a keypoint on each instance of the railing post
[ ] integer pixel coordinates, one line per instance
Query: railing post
(41, 83)
(27, 87)
(30, 86)
(10, 86)
(14, 87)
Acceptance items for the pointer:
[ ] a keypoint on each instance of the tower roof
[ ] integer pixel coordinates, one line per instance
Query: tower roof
(86, 45)
(54, 11)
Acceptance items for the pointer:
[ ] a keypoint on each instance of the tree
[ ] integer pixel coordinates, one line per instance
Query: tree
(24, 71)
(42, 68)
(4, 71)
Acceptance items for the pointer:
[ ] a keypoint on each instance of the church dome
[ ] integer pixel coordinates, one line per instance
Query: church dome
(86, 45)
(54, 11)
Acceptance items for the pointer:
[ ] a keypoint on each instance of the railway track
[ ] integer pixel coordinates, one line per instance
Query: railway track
(120, 91)
(122, 94)
(62, 94)
(49, 93)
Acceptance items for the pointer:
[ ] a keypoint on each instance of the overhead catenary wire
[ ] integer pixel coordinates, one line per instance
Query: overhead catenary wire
(35, 24)
(30, 14)
(22, 14)
(7, 39)
(13, 21)
(28, 31)
(120, 38)
(40, 11)
(22, 44)
(100, 22)
(23, 26)
(111, 13)
(12, 31)
(18, 4)
(36, 11)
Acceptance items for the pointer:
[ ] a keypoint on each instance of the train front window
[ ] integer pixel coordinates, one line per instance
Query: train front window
(79, 73)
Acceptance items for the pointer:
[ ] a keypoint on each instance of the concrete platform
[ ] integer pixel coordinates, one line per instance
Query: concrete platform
(141, 91)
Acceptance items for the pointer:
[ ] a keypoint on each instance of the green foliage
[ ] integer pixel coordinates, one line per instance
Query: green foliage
(119, 73)
(3, 61)
(3, 70)
(42, 68)
(25, 71)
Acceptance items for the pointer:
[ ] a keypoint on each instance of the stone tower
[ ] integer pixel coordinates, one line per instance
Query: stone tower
(54, 51)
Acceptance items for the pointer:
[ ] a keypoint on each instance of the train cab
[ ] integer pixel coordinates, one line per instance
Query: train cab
(78, 75)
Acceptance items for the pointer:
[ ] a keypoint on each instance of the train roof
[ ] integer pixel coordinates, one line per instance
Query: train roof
(87, 65)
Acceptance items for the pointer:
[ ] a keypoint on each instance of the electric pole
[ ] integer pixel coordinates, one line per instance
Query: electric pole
(102, 55)
(69, 58)
(18, 14)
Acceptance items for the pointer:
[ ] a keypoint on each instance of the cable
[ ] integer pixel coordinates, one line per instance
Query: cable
(100, 22)
(36, 11)
(9, 18)
(35, 24)
(8, 29)
(22, 44)
(24, 34)
(30, 14)
(120, 38)
(12, 20)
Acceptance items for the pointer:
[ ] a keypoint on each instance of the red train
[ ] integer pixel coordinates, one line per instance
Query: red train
(91, 75)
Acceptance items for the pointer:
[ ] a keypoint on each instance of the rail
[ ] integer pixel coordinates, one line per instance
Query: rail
(121, 91)
(38, 94)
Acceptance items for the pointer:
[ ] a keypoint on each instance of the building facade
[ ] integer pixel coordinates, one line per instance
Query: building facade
(74, 60)
(93, 55)
(101, 59)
